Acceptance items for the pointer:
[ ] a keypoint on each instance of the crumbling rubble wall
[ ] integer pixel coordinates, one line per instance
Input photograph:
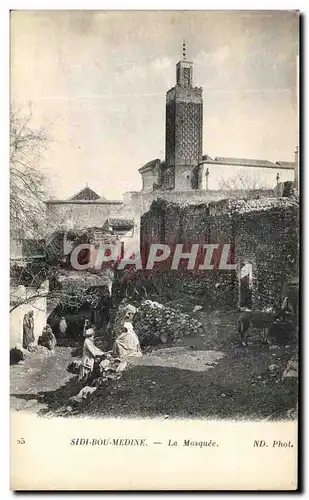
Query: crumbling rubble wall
(173, 224)
(269, 241)
(142, 200)
(263, 232)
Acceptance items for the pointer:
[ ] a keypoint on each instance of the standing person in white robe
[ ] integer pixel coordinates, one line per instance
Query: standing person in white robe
(127, 343)
(90, 351)
(62, 328)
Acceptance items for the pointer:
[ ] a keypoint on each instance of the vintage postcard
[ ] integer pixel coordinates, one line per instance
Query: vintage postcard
(154, 256)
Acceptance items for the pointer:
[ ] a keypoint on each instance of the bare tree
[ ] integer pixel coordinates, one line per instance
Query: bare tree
(27, 207)
(242, 181)
(27, 182)
(72, 292)
(28, 193)
(69, 288)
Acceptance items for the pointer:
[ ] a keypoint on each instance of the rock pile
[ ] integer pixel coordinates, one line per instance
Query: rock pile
(115, 325)
(244, 205)
(291, 370)
(109, 369)
(155, 323)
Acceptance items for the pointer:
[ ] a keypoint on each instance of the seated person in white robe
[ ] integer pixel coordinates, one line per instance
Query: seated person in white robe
(127, 343)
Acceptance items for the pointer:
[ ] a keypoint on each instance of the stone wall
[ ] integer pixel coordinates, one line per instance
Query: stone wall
(81, 213)
(141, 201)
(148, 180)
(16, 248)
(183, 177)
(138, 202)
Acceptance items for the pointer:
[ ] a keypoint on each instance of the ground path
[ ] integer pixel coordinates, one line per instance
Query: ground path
(205, 377)
(42, 372)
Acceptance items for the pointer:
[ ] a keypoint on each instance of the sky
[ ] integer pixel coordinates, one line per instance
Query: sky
(97, 81)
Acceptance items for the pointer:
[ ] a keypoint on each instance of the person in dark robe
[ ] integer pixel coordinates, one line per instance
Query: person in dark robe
(16, 355)
(47, 338)
(28, 330)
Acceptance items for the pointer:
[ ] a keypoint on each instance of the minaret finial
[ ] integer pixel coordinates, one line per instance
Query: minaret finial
(184, 50)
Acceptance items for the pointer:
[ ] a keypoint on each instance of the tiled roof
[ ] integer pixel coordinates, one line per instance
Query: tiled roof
(91, 235)
(100, 201)
(243, 161)
(246, 162)
(285, 164)
(207, 158)
(121, 224)
(84, 279)
(125, 211)
(149, 165)
(86, 194)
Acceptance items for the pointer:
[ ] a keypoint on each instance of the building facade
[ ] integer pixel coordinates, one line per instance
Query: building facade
(241, 173)
(86, 210)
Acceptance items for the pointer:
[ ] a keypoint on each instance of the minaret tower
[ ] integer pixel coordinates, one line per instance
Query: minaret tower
(184, 125)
